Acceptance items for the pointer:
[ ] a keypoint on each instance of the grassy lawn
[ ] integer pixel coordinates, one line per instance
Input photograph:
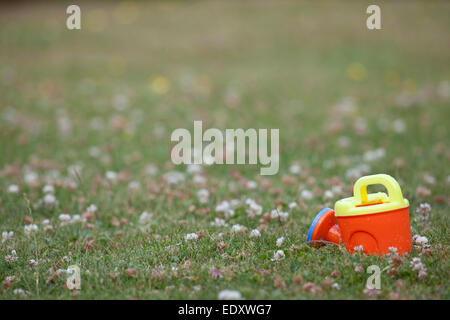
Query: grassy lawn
(85, 123)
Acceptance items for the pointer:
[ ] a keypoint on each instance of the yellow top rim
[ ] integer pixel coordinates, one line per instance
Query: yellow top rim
(363, 203)
(377, 202)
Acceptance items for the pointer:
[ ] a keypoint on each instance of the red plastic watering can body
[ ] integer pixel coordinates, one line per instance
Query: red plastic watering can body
(372, 223)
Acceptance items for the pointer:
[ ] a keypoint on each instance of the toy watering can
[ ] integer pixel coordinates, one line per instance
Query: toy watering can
(374, 223)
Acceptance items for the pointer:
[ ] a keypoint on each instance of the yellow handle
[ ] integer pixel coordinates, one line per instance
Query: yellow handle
(360, 188)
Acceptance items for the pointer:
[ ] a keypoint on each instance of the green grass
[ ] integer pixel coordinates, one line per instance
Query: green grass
(290, 64)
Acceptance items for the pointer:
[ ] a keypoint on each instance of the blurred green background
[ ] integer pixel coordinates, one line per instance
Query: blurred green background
(348, 102)
(259, 64)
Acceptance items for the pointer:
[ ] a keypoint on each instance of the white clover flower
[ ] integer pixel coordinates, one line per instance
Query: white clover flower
(191, 237)
(199, 180)
(280, 241)
(336, 286)
(415, 261)
(234, 203)
(95, 152)
(32, 263)
(10, 114)
(7, 235)
(344, 141)
(422, 273)
(328, 195)
(31, 178)
(359, 248)
(229, 295)
(374, 155)
(443, 89)
(220, 235)
(151, 169)
(420, 241)
(293, 205)
(218, 222)
(194, 169)
(64, 217)
(134, 186)
(64, 125)
(145, 217)
(329, 163)
(197, 288)
(111, 176)
(274, 214)
(96, 123)
(11, 258)
(19, 291)
(251, 184)
(225, 208)
(337, 190)
(255, 233)
(424, 207)
(405, 99)
(357, 172)
(76, 218)
(253, 208)
(13, 188)
(283, 216)
(295, 168)
(174, 177)
(121, 102)
(203, 196)
(10, 278)
(360, 125)
(346, 105)
(47, 226)
(70, 184)
(229, 213)
(278, 255)
(416, 264)
(48, 188)
(28, 229)
(399, 126)
(307, 195)
(50, 201)
(237, 228)
(424, 211)
(92, 209)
